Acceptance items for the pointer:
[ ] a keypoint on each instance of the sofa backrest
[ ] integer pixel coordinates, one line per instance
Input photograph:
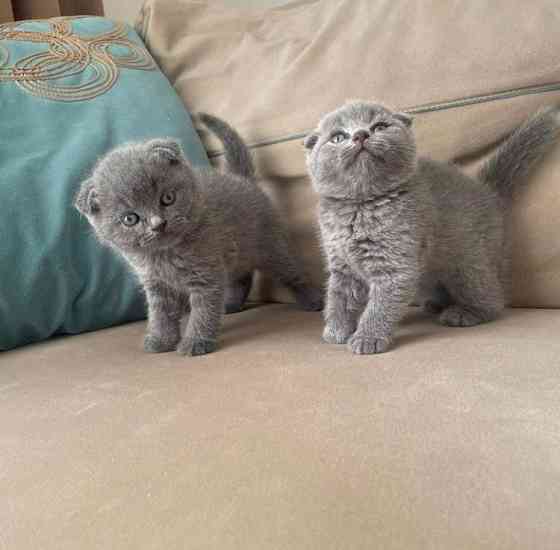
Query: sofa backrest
(470, 72)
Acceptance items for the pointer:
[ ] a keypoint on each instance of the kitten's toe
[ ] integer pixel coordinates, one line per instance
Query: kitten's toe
(336, 335)
(457, 316)
(367, 345)
(310, 299)
(158, 344)
(196, 346)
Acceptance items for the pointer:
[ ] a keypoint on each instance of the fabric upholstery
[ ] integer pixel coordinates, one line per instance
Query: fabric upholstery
(277, 441)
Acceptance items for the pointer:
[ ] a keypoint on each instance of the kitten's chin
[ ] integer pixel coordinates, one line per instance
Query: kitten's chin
(161, 242)
(146, 247)
(363, 159)
(155, 245)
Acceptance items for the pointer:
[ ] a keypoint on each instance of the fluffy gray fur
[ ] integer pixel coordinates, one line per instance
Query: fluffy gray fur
(395, 227)
(194, 237)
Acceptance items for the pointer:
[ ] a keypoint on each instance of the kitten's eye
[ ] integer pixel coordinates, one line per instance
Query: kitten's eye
(168, 198)
(338, 138)
(379, 127)
(130, 219)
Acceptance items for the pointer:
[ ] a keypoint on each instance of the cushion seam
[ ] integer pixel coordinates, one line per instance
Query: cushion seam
(423, 109)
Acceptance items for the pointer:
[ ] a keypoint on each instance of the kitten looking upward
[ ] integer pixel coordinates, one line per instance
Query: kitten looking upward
(193, 236)
(394, 227)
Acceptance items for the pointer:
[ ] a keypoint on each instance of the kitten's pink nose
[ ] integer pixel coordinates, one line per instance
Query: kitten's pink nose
(360, 136)
(157, 224)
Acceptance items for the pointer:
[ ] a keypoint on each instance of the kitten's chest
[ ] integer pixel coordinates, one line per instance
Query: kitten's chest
(371, 231)
(171, 268)
(346, 225)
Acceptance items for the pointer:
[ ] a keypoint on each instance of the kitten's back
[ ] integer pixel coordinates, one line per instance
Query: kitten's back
(464, 213)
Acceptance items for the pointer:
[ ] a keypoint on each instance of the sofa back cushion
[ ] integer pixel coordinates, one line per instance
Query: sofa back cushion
(464, 69)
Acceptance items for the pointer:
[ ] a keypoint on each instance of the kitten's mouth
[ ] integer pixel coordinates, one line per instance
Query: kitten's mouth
(155, 238)
(363, 152)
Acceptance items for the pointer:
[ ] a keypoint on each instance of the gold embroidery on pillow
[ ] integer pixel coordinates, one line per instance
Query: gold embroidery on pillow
(70, 54)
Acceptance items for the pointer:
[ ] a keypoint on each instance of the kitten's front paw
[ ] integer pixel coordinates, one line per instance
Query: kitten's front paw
(336, 335)
(367, 345)
(158, 344)
(310, 299)
(196, 346)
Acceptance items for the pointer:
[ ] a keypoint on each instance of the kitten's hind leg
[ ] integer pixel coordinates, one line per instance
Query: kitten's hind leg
(438, 300)
(237, 292)
(431, 294)
(478, 297)
(278, 259)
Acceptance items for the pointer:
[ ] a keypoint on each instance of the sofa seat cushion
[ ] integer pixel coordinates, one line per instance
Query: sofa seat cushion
(451, 440)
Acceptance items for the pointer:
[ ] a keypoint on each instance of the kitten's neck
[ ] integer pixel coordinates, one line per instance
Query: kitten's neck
(395, 194)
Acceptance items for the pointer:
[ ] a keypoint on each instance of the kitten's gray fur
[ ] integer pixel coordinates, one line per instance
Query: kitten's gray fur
(198, 252)
(394, 228)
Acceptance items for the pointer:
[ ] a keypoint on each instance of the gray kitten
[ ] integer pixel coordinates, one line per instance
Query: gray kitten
(395, 227)
(194, 237)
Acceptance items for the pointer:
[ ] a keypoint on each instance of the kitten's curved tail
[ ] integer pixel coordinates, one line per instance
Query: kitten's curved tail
(515, 157)
(237, 155)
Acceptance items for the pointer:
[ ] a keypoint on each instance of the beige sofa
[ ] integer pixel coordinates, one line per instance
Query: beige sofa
(277, 441)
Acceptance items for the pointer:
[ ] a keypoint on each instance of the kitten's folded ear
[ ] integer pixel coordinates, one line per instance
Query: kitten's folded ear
(310, 141)
(404, 117)
(167, 150)
(86, 201)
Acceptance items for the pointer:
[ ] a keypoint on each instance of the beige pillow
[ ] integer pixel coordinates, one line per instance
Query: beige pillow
(469, 71)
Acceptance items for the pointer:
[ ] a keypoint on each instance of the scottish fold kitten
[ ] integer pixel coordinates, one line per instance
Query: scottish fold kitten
(394, 227)
(194, 237)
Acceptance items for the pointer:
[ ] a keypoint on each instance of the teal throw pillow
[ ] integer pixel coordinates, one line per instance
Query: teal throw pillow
(71, 89)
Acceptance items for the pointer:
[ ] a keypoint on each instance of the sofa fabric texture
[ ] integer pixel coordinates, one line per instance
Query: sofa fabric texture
(465, 69)
(278, 441)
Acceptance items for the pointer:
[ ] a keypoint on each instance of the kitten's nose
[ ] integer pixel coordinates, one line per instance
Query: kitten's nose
(157, 224)
(360, 136)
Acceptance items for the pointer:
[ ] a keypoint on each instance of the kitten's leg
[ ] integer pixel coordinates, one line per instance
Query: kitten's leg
(237, 292)
(438, 301)
(166, 308)
(201, 333)
(386, 305)
(278, 258)
(478, 297)
(431, 294)
(346, 298)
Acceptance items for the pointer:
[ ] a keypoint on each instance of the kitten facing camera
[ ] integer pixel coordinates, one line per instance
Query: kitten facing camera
(395, 228)
(193, 236)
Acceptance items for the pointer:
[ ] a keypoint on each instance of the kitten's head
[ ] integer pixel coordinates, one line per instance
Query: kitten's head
(140, 197)
(361, 151)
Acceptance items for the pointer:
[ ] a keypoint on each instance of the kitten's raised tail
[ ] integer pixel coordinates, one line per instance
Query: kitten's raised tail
(515, 157)
(238, 158)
